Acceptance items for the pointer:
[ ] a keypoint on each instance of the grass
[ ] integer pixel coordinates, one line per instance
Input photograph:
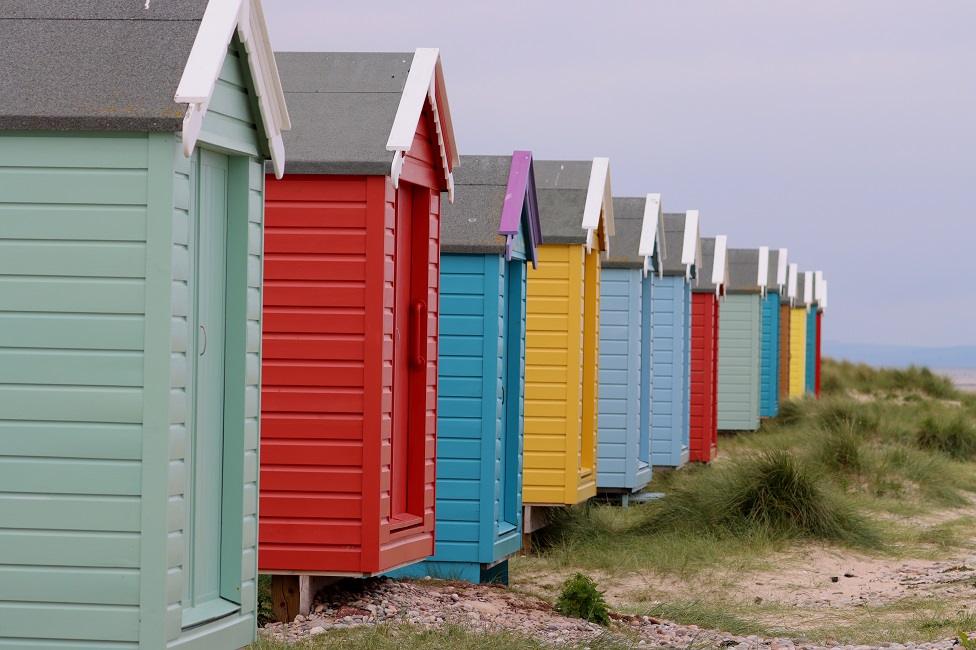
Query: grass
(842, 377)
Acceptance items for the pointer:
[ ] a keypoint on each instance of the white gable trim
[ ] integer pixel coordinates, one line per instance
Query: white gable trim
(818, 280)
(599, 202)
(763, 276)
(425, 83)
(808, 288)
(791, 288)
(781, 268)
(719, 265)
(206, 58)
(652, 215)
(823, 297)
(689, 247)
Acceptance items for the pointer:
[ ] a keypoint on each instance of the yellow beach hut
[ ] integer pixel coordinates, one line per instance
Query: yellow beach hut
(562, 334)
(798, 333)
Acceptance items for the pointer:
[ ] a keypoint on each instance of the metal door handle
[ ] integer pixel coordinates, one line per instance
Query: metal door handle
(203, 330)
(419, 316)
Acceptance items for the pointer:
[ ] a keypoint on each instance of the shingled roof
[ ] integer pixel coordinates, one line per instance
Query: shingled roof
(472, 223)
(346, 105)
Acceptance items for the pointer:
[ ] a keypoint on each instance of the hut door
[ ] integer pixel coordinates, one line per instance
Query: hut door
(205, 421)
(591, 356)
(511, 396)
(409, 356)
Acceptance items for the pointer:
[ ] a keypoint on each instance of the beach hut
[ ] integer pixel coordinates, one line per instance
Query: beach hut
(820, 294)
(132, 149)
(487, 237)
(708, 290)
(811, 350)
(787, 293)
(671, 350)
(624, 436)
(349, 399)
(769, 366)
(798, 334)
(562, 335)
(740, 322)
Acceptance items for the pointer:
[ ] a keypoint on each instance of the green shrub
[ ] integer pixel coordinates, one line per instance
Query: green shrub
(847, 415)
(841, 451)
(771, 493)
(580, 598)
(952, 435)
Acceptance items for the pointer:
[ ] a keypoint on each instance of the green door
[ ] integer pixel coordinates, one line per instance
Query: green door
(204, 455)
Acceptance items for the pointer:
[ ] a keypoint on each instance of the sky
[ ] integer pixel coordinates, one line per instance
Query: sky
(843, 130)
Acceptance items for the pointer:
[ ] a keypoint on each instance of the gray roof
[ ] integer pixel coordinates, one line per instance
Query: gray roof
(561, 187)
(743, 270)
(704, 280)
(342, 106)
(470, 224)
(94, 64)
(674, 234)
(628, 220)
(800, 284)
(773, 267)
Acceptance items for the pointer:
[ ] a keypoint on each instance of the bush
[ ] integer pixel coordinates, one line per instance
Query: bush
(847, 415)
(580, 598)
(952, 435)
(841, 451)
(791, 413)
(772, 493)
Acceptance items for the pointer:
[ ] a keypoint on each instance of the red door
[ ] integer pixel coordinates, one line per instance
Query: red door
(401, 335)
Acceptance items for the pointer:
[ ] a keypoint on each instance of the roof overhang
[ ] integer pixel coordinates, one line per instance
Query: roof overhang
(720, 263)
(792, 282)
(808, 288)
(425, 83)
(599, 204)
(651, 222)
(818, 287)
(691, 245)
(781, 268)
(520, 198)
(220, 19)
(762, 278)
(823, 297)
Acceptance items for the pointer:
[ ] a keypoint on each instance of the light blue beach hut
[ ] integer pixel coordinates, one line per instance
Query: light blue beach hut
(769, 353)
(624, 462)
(670, 318)
(487, 236)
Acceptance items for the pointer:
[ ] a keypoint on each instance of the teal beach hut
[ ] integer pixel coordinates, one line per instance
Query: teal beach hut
(809, 298)
(624, 440)
(740, 324)
(488, 235)
(133, 139)
(671, 340)
(769, 353)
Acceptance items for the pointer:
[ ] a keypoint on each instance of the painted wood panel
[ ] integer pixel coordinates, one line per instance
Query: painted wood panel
(738, 362)
(769, 356)
(620, 463)
(819, 359)
(705, 335)
(73, 212)
(798, 347)
(811, 352)
(784, 352)
(671, 416)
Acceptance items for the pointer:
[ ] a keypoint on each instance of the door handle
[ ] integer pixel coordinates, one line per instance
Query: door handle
(203, 330)
(418, 316)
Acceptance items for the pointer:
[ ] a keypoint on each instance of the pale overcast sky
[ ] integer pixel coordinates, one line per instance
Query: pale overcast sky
(841, 129)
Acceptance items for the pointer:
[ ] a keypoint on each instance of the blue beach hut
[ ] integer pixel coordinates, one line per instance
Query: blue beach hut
(769, 352)
(488, 235)
(670, 320)
(811, 344)
(624, 447)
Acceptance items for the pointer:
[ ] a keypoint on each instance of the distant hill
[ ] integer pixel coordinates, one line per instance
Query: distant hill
(896, 356)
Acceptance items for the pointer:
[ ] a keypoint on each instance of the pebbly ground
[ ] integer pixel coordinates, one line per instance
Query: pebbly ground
(432, 604)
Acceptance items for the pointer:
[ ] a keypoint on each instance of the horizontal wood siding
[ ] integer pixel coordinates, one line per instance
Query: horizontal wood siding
(670, 419)
(553, 376)
(704, 378)
(769, 357)
(784, 352)
(314, 386)
(73, 224)
(620, 379)
(647, 371)
(811, 364)
(798, 351)
(819, 359)
(738, 363)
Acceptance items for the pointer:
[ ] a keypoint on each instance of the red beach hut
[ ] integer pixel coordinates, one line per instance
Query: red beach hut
(349, 395)
(709, 287)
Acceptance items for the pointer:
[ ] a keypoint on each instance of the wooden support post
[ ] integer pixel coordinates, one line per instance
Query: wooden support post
(285, 598)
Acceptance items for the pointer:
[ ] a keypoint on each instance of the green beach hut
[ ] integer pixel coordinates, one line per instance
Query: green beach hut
(133, 138)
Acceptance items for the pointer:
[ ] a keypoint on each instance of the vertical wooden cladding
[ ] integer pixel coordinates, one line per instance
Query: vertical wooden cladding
(784, 352)
(704, 377)
(347, 485)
